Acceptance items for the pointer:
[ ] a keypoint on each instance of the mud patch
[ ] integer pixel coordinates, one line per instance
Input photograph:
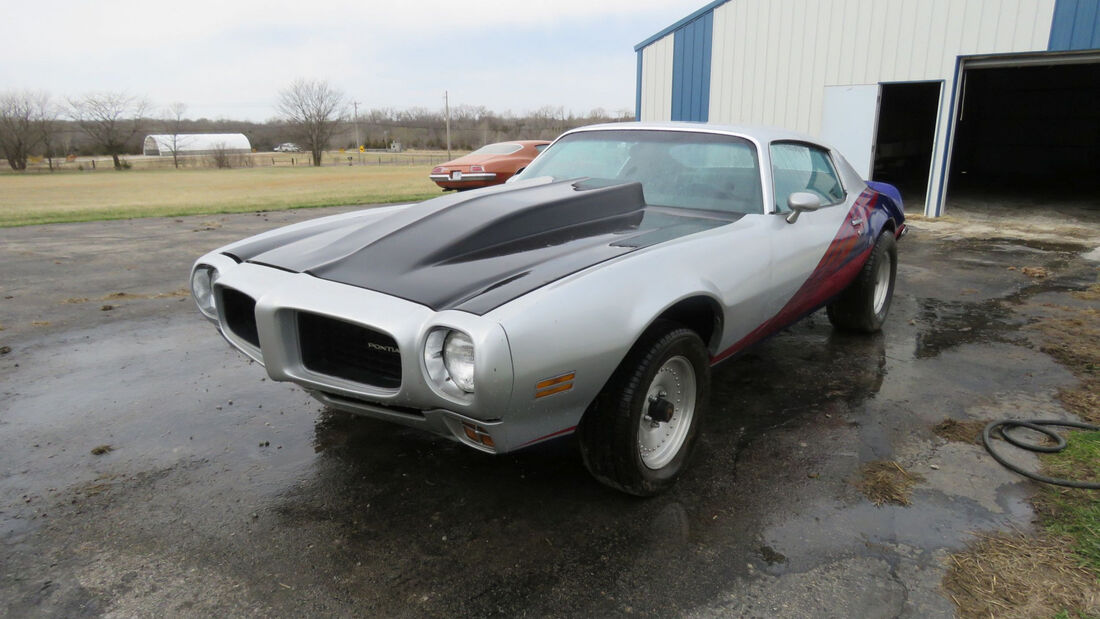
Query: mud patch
(1091, 294)
(885, 482)
(1072, 337)
(129, 296)
(961, 431)
(1035, 227)
(1016, 575)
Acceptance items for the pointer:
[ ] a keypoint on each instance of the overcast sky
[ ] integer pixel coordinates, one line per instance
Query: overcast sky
(230, 58)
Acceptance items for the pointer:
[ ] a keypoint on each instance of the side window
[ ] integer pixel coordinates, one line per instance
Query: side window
(800, 167)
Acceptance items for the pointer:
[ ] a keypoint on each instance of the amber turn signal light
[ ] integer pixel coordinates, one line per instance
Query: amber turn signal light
(557, 384)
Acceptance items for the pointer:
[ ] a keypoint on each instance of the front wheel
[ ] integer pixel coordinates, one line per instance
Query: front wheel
(638, 434)
(864, 304)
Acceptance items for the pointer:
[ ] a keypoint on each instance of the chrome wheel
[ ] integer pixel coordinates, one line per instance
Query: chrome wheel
(661, 433)
(882, 283)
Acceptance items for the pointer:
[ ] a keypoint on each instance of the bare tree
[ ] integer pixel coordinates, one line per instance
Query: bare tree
(110, 119)
(173, 118)
(219, 156)
(21, 117)
(315, 110)
(48, 128)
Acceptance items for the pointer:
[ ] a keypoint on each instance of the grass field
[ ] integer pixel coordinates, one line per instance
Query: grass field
(27, 199)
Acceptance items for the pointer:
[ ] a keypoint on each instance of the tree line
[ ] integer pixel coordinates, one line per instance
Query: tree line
(311, 113)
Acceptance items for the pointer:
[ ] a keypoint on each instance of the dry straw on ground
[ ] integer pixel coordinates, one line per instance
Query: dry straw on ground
(1009, 575)
(961, 431)
(886, 482)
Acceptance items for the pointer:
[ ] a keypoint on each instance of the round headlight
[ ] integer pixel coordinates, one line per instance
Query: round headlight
(202, 288)
(458, 358)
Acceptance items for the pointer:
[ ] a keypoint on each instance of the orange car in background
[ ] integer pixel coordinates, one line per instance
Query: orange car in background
(489, 165)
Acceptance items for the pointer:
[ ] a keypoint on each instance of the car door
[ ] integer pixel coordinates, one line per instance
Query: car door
(815, 257)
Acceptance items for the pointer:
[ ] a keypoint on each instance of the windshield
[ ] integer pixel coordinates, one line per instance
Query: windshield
(504, 148)
(678, 169)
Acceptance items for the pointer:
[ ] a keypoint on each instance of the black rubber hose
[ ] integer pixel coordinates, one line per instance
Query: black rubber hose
(1036, 425)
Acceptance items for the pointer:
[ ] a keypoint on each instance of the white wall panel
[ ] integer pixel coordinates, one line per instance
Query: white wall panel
(768, 54)
(657, 80)
(849, 122)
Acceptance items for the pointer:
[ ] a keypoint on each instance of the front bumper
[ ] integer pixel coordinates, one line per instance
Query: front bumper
(417, 401)
(472, 177)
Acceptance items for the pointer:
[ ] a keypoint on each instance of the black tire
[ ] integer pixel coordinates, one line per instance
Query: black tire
(855, 308)
(609, 434)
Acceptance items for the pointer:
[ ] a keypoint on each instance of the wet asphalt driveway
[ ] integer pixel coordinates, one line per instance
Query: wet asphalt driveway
(223, 493)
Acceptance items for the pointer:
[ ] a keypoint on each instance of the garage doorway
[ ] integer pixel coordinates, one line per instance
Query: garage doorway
(1027, 135)
(906, 136)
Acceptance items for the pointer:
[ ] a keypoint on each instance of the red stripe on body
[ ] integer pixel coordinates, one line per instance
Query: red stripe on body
(548, 436)
(836, 269)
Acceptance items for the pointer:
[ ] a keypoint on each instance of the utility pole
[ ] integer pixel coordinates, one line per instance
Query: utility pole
(447, 113)
(358, 144)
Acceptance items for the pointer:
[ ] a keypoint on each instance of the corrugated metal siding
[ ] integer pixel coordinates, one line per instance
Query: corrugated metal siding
(1076, 25)
(691, 70)
(772, 58)
(655, 98)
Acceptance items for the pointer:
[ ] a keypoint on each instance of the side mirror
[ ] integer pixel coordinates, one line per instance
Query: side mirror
(801, 201)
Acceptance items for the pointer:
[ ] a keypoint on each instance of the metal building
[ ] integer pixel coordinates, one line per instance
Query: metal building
(984, 93)
(195, 144)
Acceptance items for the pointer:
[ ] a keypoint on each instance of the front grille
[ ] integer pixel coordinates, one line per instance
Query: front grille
(240, 315)
(352, 352)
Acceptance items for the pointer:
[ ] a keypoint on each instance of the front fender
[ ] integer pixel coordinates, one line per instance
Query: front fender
(585, 325)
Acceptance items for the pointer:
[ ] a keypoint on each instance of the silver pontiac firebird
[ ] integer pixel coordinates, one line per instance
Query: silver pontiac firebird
(592, 294)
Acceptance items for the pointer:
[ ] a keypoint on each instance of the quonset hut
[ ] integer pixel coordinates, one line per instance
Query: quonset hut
(195, 144)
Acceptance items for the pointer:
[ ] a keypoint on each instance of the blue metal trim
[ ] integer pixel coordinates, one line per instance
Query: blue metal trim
(674, 27)
(708, 26)
(679, 41)
(638, 93)
(691, 70)
(1076, 25)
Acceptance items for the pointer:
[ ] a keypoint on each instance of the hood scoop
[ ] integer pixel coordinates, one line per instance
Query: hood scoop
(476, 252)
(553, 214)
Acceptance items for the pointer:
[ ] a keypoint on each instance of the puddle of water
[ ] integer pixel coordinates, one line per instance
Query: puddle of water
(950, 324)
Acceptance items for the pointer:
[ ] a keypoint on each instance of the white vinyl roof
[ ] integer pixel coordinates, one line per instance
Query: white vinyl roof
(196, 142)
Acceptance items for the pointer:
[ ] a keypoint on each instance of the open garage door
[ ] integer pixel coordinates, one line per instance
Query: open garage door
(1027, 133)
(906, 137)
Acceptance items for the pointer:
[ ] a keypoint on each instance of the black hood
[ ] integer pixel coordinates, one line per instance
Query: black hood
(476, 252)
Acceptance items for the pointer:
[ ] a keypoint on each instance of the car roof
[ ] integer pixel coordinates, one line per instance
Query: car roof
(762, 134)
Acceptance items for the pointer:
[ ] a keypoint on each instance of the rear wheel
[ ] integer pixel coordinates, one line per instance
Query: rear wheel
(864, 304)
(638, 434)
